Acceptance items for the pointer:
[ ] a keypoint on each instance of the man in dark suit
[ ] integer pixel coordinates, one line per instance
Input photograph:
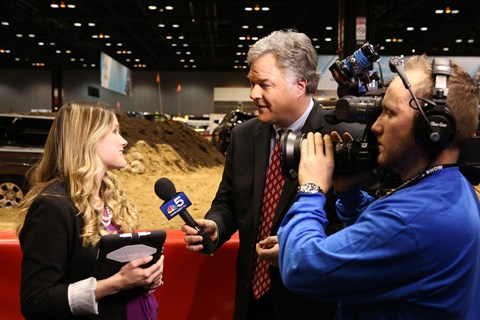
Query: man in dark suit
(283, 76)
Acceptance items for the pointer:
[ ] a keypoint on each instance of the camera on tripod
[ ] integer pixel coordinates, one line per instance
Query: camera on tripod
(349, 156)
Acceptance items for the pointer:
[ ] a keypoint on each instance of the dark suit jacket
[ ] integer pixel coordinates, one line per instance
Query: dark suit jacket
(53, 257)
(237, 206)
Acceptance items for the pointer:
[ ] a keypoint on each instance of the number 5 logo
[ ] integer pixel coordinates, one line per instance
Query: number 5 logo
(179, 201)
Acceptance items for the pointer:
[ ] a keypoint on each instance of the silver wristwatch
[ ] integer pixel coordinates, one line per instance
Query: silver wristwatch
(310, 187)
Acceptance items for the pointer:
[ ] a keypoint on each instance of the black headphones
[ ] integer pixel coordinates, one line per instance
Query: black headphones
(434, 128)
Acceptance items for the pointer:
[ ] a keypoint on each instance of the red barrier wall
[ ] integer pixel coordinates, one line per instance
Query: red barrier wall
(195, 286)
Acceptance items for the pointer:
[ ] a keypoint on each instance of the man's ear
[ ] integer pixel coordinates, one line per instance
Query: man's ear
(302, 86)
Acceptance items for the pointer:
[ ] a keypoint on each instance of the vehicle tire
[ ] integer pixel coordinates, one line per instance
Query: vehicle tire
(12, 191)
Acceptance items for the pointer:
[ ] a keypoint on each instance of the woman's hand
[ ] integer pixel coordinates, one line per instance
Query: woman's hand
(132, 275)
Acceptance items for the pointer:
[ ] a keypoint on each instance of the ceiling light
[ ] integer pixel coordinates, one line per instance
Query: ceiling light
(328, 28)
(410, 28)
(328, 39)
(438, 11)
(248, 9)
(445, 49)
(471, 41)
(458, 40)
(152, 7)
(5, 23)
(77, 24)
(244, 27)
(169, 7)
(259, 27)
(423, 29)
(91, 24)
(161, 25)
(175, 25)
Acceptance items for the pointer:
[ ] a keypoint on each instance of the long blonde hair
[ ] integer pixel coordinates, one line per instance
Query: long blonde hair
(70, 157)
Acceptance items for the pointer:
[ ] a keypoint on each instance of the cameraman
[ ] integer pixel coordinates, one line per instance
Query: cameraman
(412, 254)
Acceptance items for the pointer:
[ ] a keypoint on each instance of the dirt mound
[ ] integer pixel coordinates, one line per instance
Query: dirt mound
(193, 149)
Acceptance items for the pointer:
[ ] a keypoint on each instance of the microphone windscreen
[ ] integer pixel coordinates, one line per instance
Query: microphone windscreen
(165, 189)
(393, 63)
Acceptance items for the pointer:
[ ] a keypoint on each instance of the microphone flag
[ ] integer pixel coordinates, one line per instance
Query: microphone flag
(174, 206)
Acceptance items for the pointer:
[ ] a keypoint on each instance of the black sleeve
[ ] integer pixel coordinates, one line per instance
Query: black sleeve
(222, 210)
(46, 240)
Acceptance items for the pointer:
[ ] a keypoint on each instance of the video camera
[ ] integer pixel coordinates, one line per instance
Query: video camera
(360, 94)
(360, 106)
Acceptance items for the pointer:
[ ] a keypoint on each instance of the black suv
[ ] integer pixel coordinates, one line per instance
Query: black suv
(21, 144)
(221, 134)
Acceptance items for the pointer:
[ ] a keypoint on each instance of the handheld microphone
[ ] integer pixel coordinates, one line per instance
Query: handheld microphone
(176, 203)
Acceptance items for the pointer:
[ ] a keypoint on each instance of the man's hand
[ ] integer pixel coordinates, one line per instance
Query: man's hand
(343, 183)
(194, 240)
(268, 249)
(316, 161)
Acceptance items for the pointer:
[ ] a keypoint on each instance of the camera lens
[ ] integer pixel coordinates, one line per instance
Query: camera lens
(358, 109)
(349, 156)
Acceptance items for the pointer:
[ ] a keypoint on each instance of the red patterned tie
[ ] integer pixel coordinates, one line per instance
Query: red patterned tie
(273, 189)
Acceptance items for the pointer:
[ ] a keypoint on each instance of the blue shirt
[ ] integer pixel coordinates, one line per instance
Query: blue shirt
(414, 254)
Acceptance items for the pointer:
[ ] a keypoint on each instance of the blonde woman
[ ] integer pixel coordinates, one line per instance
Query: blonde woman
(74, 200)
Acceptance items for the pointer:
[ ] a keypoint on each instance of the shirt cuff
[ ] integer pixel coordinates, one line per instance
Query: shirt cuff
(81, 297)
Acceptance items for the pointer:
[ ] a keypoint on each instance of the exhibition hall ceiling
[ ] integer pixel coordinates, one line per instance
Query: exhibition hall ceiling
(214, 35)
